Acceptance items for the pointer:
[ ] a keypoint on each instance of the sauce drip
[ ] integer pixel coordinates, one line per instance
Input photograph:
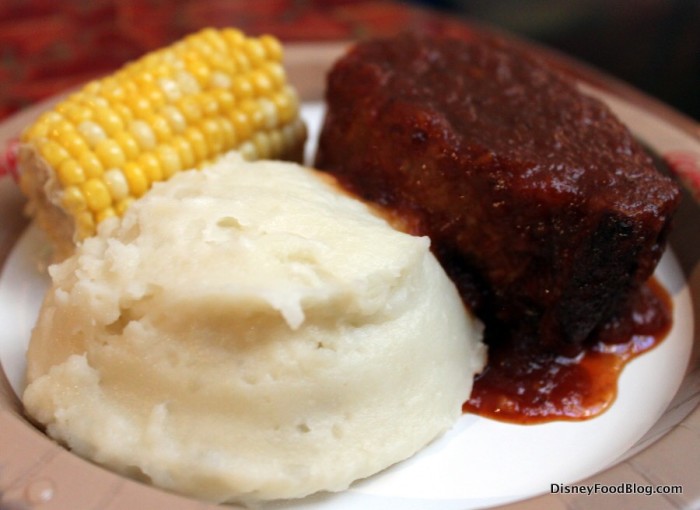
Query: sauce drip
(527, 388)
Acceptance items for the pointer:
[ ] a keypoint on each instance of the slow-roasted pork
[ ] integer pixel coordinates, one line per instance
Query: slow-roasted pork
(538, 201)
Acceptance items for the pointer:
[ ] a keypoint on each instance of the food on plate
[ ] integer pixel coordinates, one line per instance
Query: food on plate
(173, 109)
(250, 331)
(538, 201)
(541, 206)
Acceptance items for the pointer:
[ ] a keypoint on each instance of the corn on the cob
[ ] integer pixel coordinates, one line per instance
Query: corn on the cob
(173, 109)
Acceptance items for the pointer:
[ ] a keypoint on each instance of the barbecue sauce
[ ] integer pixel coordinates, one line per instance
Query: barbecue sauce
(526, 387)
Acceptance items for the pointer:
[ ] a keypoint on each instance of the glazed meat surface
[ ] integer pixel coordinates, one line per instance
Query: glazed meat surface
(538, 201)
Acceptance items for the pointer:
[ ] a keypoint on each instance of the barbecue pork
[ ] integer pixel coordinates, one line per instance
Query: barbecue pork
(539, 202)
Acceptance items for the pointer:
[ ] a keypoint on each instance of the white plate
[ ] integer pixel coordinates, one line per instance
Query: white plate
(480, 461)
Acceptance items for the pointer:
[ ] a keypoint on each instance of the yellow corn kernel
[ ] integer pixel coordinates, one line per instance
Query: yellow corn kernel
(77, 113)
(228, 133)
(163, 64)
(273, 48)
(41, 126)
(269, 113)
(96, 194)
(195, 47)
(188, 84)
(58, 127)
(108, 119)
(160, 127)
(36, 131)
(128, 144)
(220, 80)
(262, 145)
(176, 120)
(155, 95)
(92, 101)
(105, 213)
(92, 132)
(170, 88)
(224, 100)
(252, 109)
(208, 105)
(91, 164)
(293, 98)
(169, 160)
(50, 117)
(233, 37)
(200, 71)
(85, 223)
(190, 108)
(184, 150)
(242, 124)
(143, 134)
(242, 88)
(214, 38)
(213, 135)
(113, 91)
(199, 145)
(72, 141)
(150, 166)
(242, 62)
(116, 184)
(135, 177)
(70, 172)
(248, 150)
(275, 72)
(124, 112)
(145, 78)
(130, 87)
(110, 153)
(93, 87)
(285, 107)
(139, 105)
(255, 51)
(261, 82)
(121, 206)
(147, 66)
(53, 153)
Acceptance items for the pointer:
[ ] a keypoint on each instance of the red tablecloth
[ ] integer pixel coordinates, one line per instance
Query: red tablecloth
(47, 46)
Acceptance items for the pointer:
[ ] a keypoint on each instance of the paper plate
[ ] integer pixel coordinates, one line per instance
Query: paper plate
(665, 455)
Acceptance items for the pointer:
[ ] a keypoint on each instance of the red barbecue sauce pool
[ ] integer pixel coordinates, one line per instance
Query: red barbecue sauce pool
(528, 388)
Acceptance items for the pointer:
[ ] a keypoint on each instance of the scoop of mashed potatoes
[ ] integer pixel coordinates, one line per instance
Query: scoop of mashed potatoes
(249, 332)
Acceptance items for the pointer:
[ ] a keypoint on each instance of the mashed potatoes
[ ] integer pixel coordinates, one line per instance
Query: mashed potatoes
(246, 333)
